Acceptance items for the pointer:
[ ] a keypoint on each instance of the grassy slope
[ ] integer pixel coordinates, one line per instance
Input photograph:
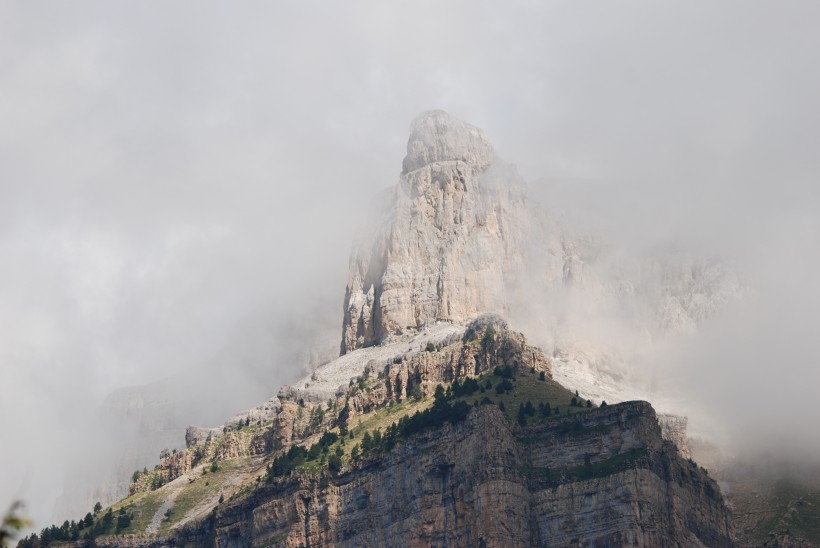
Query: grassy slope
(527, 387)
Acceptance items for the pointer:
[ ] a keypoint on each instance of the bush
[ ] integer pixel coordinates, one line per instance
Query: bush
(430, 347)
(334, 463)
(123, 521)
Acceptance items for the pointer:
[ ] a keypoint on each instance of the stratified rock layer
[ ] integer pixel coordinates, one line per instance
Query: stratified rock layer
(605, 478)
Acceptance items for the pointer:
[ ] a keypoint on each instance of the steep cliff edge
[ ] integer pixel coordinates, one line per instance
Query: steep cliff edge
(599, 478)
(450, 240)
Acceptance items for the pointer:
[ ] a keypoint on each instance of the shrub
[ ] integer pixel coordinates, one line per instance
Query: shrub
(503, 386)
(334, 463)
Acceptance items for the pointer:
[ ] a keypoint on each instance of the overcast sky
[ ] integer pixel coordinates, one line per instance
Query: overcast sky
(171, 171)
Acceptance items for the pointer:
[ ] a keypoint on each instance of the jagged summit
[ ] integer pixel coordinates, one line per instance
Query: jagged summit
(448, 242)
(436, 136)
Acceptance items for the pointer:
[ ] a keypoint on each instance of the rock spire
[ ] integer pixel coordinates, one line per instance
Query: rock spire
(448, 239)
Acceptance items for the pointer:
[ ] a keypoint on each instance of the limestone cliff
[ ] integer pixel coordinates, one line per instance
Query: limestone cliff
(604, 478)
(450, 239)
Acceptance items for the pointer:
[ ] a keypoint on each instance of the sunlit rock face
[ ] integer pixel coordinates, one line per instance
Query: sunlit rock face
(458, 237)
(450, 238)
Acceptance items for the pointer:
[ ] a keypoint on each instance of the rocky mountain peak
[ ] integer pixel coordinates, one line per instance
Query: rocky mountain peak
(436, 136)
(447, 241)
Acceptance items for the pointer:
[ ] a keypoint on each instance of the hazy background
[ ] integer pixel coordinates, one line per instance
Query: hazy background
(180, 183)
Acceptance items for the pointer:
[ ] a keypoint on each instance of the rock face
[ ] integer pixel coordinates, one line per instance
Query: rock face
(673, 429)
(450, 238)
(607, 479)
(299, 412)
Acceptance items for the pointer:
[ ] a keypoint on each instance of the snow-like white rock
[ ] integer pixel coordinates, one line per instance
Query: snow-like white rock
(327, 379)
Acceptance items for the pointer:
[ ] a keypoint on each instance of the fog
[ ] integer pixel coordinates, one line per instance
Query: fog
(180, 184)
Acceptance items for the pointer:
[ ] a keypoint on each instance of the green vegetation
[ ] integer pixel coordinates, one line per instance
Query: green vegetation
(589, 470)
(529, 396)
(444, 409)
(86, 528)
(199, 490)
(142, 506)
(510, 388)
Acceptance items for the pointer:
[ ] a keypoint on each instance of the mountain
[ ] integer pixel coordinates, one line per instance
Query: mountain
(450, 236)
(438, 424)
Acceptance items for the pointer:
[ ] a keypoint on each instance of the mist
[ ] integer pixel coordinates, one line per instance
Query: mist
(180, 185)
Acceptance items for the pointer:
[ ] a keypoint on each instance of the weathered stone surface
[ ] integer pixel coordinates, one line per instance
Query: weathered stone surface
(673, 429)
(451, 237)
(482, 483)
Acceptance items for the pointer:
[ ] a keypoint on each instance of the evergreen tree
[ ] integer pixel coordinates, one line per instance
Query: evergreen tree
(529, 409)
(367, 442)
(522, 415)
(334, 464)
